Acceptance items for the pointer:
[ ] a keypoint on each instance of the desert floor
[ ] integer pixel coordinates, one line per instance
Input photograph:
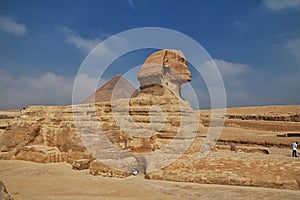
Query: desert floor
(28, 180)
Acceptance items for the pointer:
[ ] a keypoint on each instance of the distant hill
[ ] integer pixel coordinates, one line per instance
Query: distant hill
(116, 88)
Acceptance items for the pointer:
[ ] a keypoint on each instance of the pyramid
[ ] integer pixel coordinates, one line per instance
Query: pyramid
(116, 88)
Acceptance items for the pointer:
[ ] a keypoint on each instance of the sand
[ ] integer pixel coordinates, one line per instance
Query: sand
(28, 180)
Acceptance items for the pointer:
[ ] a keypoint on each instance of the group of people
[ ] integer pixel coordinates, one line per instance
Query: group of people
(294, 149)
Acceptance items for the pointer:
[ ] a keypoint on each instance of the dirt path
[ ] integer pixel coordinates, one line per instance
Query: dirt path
(27, 180)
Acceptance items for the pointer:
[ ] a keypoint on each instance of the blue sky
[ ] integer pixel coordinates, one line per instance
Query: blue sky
(255, 44)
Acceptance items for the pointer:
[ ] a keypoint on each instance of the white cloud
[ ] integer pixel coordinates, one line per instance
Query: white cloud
(190, 93)
(99, 53)
(231, 69)
(247, 86)
(281, 4)
(236, 78)
(84, 44)
(8, 25)
(293, 47)
(104, 51)
(227, 71)
(47, 89)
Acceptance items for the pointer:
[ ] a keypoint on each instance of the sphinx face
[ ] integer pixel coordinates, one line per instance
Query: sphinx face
(175, 67)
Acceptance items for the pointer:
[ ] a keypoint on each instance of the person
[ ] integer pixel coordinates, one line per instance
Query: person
(294, 148)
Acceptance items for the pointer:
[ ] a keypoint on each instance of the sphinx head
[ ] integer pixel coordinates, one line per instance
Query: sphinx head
(163, 71)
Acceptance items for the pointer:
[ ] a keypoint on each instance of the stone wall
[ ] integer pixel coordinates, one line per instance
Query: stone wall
(42, 134)
(141, 124)
(265, 118)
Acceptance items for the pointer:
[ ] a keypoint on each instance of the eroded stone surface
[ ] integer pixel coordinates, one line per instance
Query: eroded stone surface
(39, 153)
(81, 164)
(98, 168)
(43, 131)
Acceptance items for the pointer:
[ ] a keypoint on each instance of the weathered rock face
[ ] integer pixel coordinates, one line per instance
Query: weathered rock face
(164, 71)
(43, 134)
(16, 137)
(7, 117)
(145, 123)
(39, 153)
(98, 168)
(81, 164)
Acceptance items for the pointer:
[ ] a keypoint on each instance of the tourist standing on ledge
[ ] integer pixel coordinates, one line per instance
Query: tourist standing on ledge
(294, 147)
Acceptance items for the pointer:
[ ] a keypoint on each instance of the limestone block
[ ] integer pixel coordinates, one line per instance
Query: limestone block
(4, 124)
(39, 153)
(18, 136)
(98, 168)
(81, 164)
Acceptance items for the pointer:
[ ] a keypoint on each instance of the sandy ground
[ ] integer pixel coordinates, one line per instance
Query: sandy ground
(28, 180)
